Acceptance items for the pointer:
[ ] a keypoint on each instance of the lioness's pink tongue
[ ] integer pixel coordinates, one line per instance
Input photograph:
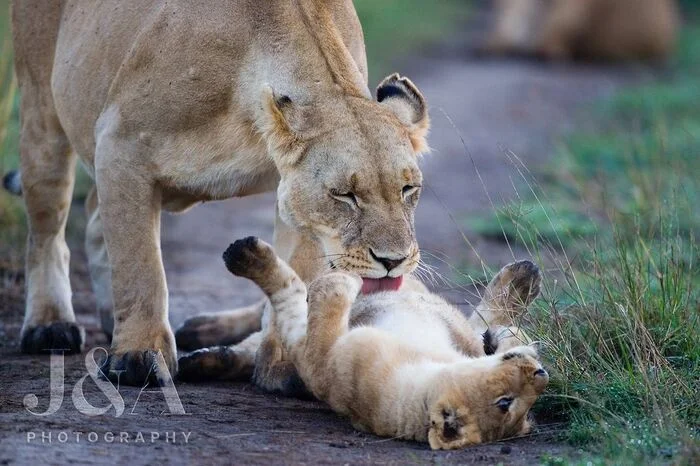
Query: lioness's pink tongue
(373, 285)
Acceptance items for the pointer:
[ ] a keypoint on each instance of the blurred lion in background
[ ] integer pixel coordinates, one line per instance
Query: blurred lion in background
(585, 29)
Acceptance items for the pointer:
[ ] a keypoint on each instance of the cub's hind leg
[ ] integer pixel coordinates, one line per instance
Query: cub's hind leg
(300, 250)
(47, 174)
(285, 322)
(499, 314)
(284, 318)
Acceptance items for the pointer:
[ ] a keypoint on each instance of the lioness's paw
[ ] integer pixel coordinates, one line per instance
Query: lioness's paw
(215, 363)
(249, 257)
(142, 352)
(66, 337)
(138, 368)
(203, 331)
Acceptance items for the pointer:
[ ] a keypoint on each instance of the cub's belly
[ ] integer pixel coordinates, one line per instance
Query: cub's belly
(411, 317)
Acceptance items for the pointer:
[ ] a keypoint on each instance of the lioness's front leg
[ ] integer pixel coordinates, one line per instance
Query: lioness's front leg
(130, 211)
(98, 262)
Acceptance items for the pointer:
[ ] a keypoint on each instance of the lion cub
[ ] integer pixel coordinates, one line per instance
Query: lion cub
(404, 363)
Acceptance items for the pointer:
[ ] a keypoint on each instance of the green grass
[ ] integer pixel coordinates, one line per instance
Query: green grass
(12, 230)
(396, 29)
(618, 216)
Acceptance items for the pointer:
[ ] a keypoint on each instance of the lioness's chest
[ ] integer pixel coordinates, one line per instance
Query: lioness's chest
(214, 166)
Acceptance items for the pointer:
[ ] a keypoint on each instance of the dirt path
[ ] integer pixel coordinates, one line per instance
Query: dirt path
(494, 105)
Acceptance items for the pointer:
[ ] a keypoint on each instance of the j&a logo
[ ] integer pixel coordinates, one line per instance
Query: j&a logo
(31, 401)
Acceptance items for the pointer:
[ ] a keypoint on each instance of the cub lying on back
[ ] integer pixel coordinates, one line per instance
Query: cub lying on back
(404, 363)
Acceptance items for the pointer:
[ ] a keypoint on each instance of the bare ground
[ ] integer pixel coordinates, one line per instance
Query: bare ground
(495, 106)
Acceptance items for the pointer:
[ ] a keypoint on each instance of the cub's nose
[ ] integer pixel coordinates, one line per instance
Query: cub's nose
(387, 262)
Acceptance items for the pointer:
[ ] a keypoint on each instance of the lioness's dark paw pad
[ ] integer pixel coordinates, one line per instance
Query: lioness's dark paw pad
(136, 368)
(59, 337)
(248, 255)
(216, 363)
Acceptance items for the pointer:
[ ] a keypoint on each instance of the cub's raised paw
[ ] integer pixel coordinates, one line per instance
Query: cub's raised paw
(513, 288)
(138, 368)
(65, 337)
(334, 286)
(525, 279)
(249, 257)
(215, 363)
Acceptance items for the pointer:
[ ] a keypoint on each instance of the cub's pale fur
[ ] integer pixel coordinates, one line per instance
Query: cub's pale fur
(589, 29)
(403, 364)
(169, 103)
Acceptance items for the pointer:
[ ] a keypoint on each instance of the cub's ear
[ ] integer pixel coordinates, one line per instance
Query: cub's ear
(409, 105)
(275, 121)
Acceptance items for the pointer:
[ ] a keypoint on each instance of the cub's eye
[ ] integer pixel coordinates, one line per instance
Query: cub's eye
(408, 190)
(348, 197)
(504, 403)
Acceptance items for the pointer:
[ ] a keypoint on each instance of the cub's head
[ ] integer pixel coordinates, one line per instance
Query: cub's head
(488, 401)
(349, 173)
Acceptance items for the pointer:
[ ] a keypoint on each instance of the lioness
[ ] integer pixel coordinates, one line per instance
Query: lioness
(171, 103)
(589, 29)
(403, 363)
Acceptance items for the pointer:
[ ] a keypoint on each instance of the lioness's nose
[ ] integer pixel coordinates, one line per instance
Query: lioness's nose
(387, 262)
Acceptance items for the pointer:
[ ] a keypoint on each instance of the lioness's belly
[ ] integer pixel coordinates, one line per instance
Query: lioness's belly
(125, 65)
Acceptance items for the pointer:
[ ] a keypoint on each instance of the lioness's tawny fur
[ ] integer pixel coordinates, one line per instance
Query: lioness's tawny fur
(171, 103)
(588, 29)
(404, 363)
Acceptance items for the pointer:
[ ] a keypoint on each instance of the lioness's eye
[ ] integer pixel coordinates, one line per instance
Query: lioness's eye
(347, 197)
(408, 190)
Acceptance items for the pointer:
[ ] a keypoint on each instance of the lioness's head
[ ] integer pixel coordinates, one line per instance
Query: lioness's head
(489, 403)
(349, 173)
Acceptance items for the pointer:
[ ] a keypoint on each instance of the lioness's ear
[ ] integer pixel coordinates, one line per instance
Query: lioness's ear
(409, 105)
(283, 142)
